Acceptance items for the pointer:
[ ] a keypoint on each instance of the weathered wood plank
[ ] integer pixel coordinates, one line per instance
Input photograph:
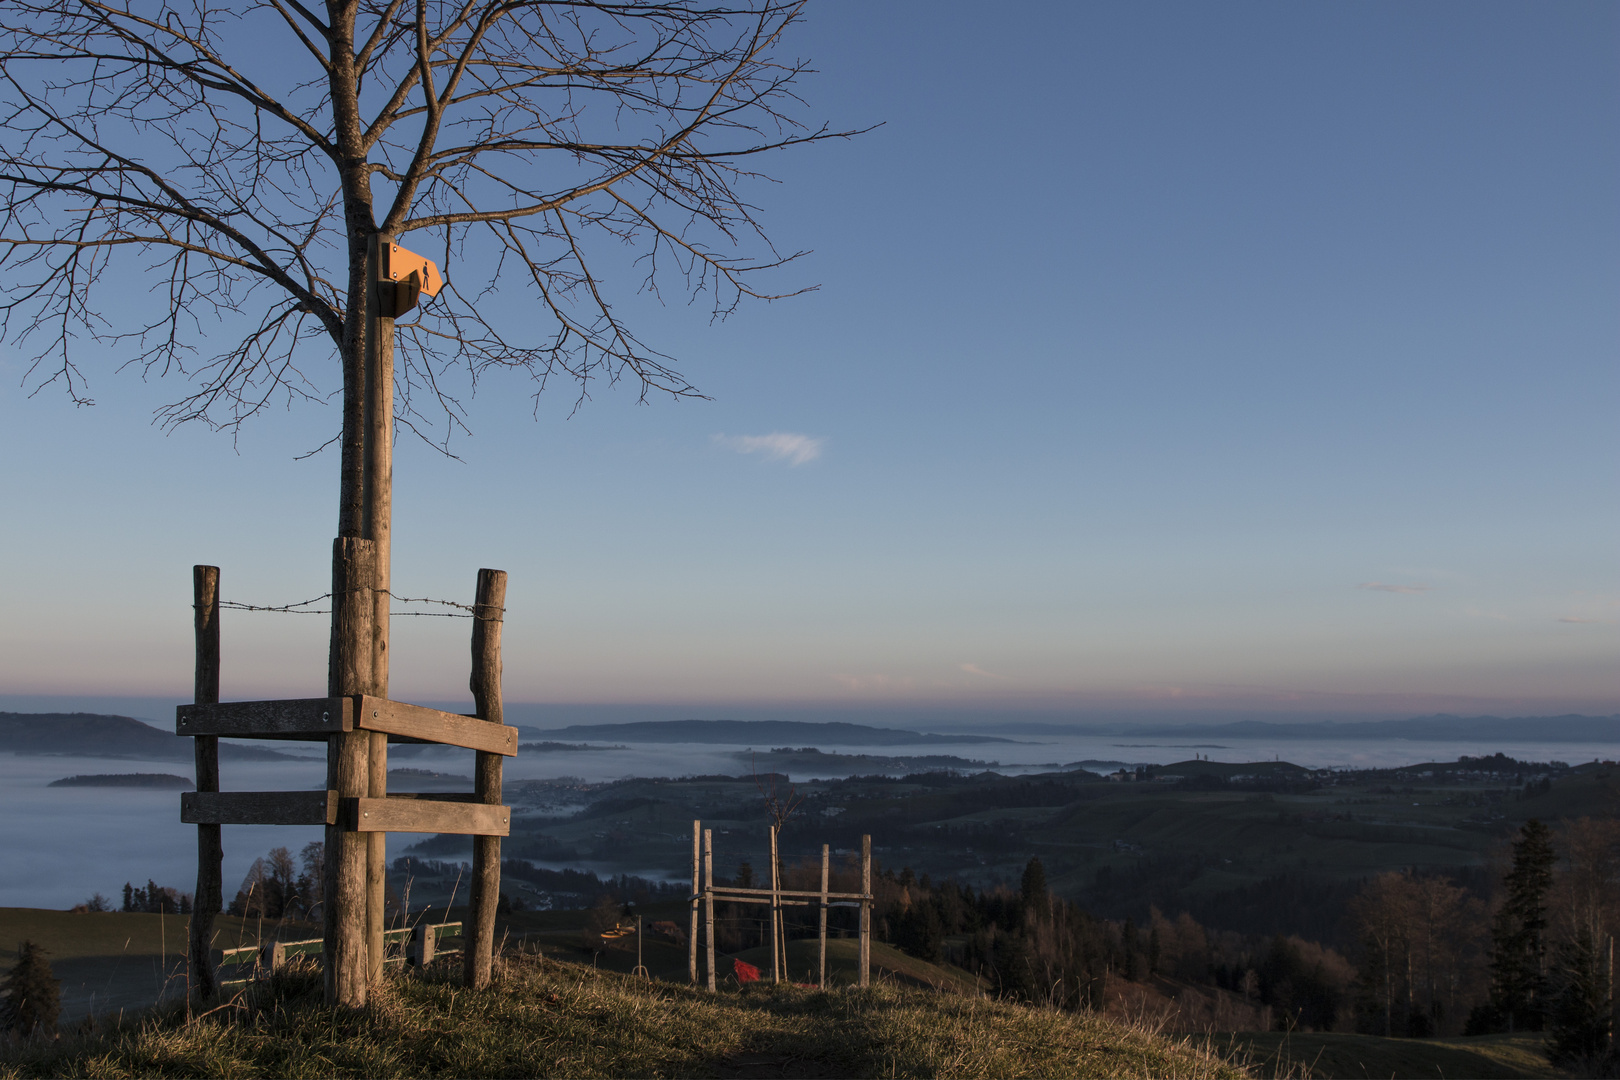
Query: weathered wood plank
(430, 725)
(299, 718)
(729, 891)
(430, 816)
(438, 796)
(259, 807)
(319, 718)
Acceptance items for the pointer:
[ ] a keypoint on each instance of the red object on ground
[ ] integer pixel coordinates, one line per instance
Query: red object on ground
(746, 973)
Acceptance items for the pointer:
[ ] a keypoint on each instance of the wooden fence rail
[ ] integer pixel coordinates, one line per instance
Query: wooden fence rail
(421, 942)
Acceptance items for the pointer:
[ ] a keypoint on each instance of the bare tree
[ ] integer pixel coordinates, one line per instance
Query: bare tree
(779, 805)
(256, 162)
(239, 158)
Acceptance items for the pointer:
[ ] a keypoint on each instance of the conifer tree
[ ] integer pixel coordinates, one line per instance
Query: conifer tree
(1519, 932)
(1033, 888)
(1580, 1010)
(32, 1000)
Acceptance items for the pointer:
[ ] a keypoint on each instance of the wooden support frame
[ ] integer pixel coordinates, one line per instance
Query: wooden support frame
(708, 894)
(357, 721)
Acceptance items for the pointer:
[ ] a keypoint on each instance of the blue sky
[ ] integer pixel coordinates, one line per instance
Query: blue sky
(1166, 357)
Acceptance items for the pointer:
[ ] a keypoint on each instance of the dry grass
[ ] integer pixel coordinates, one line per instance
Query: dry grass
(1324, 1056)
(549, 1019)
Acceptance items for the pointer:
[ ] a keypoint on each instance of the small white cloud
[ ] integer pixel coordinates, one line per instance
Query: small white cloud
(777, 446)
(1578, 619)
(1379, 586)
(975, 669)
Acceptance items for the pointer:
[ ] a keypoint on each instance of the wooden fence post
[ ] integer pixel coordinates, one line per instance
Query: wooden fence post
(776, 967)
(866, 910)
(377, 526)
(692, 937)
(348, 773)
(708, 902)
(424, 938)
(209, 897)
(273, 956)
(486, 691)
(821, 980)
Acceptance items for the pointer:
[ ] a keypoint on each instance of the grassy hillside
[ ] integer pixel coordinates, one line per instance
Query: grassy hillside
(558, 935)
(548, 1019)
(115, 960)
(1329, 1055)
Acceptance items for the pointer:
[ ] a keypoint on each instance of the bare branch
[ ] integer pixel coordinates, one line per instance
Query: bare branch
(222, 158)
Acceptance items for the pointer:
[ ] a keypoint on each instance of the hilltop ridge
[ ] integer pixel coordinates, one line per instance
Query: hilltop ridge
(97, 735)
(764, 732)
(543, 1018)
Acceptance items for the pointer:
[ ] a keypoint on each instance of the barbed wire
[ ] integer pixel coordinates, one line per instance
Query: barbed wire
(288, 609)
(303, 607)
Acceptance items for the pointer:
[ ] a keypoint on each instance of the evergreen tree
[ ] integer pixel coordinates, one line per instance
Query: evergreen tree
(1518, 934)
(1033, 890)
(32, 1000)
(1580, 1016)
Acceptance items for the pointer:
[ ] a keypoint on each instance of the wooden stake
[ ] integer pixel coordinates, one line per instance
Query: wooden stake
(708, 902)
(826, 856)
(866, 910)
(692, 937)
(348, 773)
(776, 909)
(209, 898)
(377, 525)
(486, 690)
(378, 478)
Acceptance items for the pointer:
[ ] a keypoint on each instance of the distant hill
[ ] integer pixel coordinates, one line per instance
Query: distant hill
(1438, 728)
(95, 735)
(134, 779)
(759, 733)
(809, 760)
